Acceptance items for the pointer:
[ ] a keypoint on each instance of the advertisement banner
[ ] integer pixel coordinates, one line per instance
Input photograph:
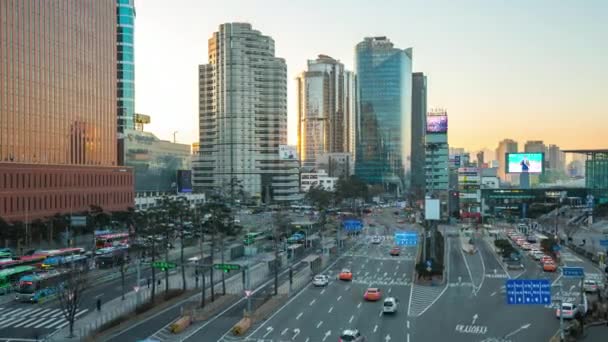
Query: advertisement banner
(525, 162)
(287, 152)
(437, 124)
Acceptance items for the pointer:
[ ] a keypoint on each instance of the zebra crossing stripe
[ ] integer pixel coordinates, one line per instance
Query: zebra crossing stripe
(41, 313)
(35, 321)
(26, 311)
(4, 309)
(62, 325)
(37, 311)
(59, 320)
(58, 313)
(45, 322)
(27, 320)
(81, 312)
(11, 312)
(10, 321)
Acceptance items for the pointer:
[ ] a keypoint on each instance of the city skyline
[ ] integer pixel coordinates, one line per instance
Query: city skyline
(507, 73)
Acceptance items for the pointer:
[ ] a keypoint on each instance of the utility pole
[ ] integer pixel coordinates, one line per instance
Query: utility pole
(562, 336)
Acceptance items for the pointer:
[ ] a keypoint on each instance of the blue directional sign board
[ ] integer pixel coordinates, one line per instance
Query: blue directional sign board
(352, 225)
(604, 243)
(528, 291)
(575, 272)
(406, 238)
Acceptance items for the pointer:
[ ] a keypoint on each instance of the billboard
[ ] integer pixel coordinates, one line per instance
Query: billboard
(287, 152)
(437, 124)
(525, 162)
(432, 209)
(184, 181)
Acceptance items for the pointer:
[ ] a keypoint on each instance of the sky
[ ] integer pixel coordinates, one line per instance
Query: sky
(519, 69)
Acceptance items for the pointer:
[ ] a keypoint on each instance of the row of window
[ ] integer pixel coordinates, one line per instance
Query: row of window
(36, 181)
(61, 202)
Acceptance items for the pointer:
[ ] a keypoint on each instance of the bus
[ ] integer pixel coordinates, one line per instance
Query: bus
(10, 276)
(250, 238)
(69, 261)
(114, 256)
(39, 287)
(111, 240)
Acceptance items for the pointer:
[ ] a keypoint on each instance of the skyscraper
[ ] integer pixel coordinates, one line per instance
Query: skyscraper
(384, 125)
(243, 116)
(125, 25)
(58, 109)
(535, 146)
(419, 110)
(505, 146)
(326, 110)
(556, 159)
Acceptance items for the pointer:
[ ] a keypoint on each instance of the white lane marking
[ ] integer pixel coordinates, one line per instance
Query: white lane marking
(339, 297)
(323, 291)
(408, 337)
(359, 305)
(284, 331)
(385, 274)
(375, 328)
(319, 324)
(312, 302)
(390, 289)
(380, 314)
(299, 315)
(351, 319)
(330, 309)
(307, 339)
(268, 332)
(493, 294)
(408, 324)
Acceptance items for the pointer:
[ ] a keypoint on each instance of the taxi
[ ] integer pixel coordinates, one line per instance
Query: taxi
(549, 266)
(372, 294)
(345, 274)
(395, 251)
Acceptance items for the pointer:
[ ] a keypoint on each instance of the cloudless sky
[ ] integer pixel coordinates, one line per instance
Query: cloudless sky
(516, 69)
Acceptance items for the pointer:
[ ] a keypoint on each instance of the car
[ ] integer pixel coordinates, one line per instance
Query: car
(351, 335)
(545, 258)
(375, 239)
(568, 310)
(526, 246)
(514, 265)
(590, 285)
(395, 251)
(390, 305)
(372, 294)
(537, 255)
(401, 221)
(345, 274)
(549, 266)
(320, 280)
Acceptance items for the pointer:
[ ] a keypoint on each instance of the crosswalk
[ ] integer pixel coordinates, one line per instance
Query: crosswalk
(422, 297)
(27, 318)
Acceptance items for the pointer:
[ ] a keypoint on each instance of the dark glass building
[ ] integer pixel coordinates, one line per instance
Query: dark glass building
(125, 25)
(384, 125)
(58, 96)
(419, 105)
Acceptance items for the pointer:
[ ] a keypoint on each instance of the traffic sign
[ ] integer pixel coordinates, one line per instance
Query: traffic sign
(406, 238)
(248, 293)
(604, 243)
(528, 291)
(136, 288)
(556, 248)
(574, 272)
(163, 265)
(429, 265)
(227, 267)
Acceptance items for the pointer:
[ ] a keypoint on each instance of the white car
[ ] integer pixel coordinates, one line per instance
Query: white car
(390, 305)
(376, 239)
(590, 285)
(569, 311)
(320, 280)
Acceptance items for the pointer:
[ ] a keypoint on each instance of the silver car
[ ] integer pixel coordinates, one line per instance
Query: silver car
(320, 280)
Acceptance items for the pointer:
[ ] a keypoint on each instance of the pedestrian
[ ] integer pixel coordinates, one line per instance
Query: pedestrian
(148, 281)
(98, 304)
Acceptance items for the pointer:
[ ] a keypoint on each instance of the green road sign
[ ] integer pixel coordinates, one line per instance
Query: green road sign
(227, 267)
(163, 265)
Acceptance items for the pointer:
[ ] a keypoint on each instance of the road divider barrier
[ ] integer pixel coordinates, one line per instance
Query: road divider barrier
(181, 324)
(242, 326)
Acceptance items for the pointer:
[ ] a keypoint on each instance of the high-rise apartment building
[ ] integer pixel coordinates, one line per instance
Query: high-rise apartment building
(535, 146)
(326, 110)
(384, 125)
(556, 159)
(505, 146)
(437, 155)
(243, 116)
(58, 96)
(419, 110)
(125, 99)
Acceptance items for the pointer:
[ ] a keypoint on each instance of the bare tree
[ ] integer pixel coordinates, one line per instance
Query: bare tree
(70, 293)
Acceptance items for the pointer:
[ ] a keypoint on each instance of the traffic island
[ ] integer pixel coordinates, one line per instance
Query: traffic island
(430, 267)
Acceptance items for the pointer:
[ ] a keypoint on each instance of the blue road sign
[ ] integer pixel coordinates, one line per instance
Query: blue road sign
(604, 243)
(577, 272)
(352, 225)
(429, 263)
(528, 291)
(557, 248)
(406, 238)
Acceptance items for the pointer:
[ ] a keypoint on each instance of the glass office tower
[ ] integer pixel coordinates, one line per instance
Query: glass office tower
(125, 24)
(384, 125)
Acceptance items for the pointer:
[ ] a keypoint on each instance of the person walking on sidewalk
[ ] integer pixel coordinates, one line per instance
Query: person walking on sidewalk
(98, 304)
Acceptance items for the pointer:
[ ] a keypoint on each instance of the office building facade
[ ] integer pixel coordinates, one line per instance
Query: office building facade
(125, 98)
(419, 110)
(58, 96)
(505, 146)
(243, 117)
(556, 159)
(384, 124)
(326, 110)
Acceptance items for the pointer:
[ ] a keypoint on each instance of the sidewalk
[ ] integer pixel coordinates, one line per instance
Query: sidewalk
(117, 306)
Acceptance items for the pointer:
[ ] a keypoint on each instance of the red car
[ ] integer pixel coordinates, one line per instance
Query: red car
(395, 251)
(372, 294)
(345, 274)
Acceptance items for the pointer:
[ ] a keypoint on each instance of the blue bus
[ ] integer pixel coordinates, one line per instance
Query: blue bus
(39, 287)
